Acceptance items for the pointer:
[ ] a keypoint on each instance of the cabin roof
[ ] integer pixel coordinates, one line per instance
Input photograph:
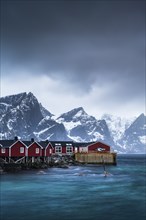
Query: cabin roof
(100, 142)
(44, 144)
(6, 143)
(61, 143)
(27, 143)
(82, 144)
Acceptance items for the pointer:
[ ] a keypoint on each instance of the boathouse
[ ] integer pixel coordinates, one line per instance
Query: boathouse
(96, 152)
(98, 147)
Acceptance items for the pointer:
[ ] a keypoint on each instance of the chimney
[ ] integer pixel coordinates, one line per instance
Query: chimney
(16, 138)
(32, 140)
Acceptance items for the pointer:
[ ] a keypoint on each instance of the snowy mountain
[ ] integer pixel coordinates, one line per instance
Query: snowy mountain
(23, 116)
(49, 129)
(134, 138)
(83, 127)
(117, 125)
(45, 112)
(19, 116)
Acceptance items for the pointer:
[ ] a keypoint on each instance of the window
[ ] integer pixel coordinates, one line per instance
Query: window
(3, 150)
(50, 151)
(21, 150)
(58, 149)
(37, 150)
(69, 150)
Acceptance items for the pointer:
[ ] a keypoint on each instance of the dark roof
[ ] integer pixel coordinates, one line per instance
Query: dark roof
(101, 142)
(62, 143)
(27, 143)
(6, 143)
(82, 144)
(43, 143)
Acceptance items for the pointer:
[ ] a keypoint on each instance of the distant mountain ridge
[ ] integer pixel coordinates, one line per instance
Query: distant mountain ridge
(83, 127)
(23, 116)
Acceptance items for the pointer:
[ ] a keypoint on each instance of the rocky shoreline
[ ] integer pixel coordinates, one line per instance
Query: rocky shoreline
(55, 161)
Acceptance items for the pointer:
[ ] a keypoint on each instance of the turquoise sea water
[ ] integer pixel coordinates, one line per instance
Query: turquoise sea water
(77, 193)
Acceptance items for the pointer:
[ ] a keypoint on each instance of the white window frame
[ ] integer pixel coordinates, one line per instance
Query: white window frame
(37, 150)
(69, 149)
(21, 150)
(57, 144)
(50, 151)
(58, 149)
(3, 150)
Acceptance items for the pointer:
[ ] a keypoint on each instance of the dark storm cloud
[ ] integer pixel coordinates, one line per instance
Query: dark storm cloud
(85, 42)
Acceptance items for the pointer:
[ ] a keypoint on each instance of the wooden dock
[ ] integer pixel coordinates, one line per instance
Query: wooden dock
(96, 158)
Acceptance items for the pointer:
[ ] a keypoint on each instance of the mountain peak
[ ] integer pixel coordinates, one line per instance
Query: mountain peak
(71, 115)
(18, 98)
(140, 120)
(77, 110)
(13, 98)
(30, 94)
(141, 116)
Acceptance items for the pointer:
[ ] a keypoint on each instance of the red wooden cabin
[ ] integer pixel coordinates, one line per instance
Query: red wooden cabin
(34, 150)
(4, 151)
(62, 147)
(98, 147)
(5, 147)
(18, 149)
(47, 148)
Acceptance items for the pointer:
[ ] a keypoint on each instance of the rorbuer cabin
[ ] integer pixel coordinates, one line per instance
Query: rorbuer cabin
(98, 147)
(34, 151)
(46, 151)
(18, 149)
(62, 148)
(4, 148)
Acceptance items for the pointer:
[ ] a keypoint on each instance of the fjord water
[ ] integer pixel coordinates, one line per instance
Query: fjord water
(77, 193)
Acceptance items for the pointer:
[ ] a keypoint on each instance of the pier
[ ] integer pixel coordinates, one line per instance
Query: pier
(96, 158)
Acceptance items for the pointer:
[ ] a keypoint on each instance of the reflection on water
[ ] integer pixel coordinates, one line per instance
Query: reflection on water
(77, 193)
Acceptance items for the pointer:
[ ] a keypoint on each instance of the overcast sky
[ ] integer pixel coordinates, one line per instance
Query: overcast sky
(75, 53)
